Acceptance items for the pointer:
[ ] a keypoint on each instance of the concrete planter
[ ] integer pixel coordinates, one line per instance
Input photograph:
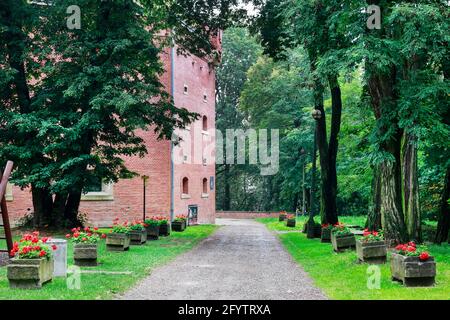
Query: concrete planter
(325, 235)
(138, 237)
(29, 273)
(413, 272)
(85, 255)
(281, 217)
(152, 232)
(178, 226)
(164, 230)
(118, 241)
(342, 243)
(290, 223)
(371, 252)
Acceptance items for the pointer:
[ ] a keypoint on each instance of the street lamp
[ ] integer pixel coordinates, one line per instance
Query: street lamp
(317, 115)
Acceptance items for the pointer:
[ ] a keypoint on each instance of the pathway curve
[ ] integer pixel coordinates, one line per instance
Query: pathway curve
(241, 261)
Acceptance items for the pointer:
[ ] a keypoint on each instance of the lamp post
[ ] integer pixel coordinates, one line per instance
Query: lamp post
(317, 115)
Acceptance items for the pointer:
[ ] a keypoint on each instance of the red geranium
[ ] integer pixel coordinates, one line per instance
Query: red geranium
(32, 247)
(424, 256)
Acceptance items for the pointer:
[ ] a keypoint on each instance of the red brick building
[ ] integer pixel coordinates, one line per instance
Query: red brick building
(173, 187)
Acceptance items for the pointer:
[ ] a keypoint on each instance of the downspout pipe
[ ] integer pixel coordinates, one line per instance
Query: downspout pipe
(172, 93)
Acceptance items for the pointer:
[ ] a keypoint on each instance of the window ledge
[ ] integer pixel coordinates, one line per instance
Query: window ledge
(205, 132)
(9, 198)
(97, 196)
(185, 196)
(205, 195)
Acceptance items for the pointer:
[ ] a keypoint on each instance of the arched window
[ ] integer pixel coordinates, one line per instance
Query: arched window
(205, 123)
(185, 185)
(205, 185)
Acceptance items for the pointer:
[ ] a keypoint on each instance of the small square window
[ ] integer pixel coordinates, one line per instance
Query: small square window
(186, 89)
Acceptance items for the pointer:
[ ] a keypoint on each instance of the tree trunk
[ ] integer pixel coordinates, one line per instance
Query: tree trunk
(392, 217)
(71, 209)
(411, 187)
(336, 115)
(443, 226)
(42, 205)
(373, 222)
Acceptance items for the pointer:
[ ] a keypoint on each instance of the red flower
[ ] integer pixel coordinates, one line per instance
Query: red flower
(95, 229)
(42, 253)
(103, 236)
(76, 235)
(412, 244)
(44, 239)
(424, 256)
(74, 230)
(68, 236)
(411, 249)
(86, 229)
(54, 247)
(84, 238)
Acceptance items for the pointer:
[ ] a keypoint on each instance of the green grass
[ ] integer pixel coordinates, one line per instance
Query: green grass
(139, 260)
(340, 277)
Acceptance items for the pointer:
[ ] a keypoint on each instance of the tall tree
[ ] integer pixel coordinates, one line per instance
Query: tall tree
(240, 52)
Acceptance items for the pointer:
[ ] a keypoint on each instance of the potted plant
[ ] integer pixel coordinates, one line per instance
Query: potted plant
(152, 226)
(32, 262)
(342, 237)
(85, 246)
(119, 237)
(179, 224)
(325, 233)
(282, 216)
(138, 233)
(164, 226)
(290, 220)
(371, 247)
(413, 265)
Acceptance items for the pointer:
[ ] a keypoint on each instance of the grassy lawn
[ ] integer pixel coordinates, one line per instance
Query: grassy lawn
(340, 277)
(274, 224)
(139, 260)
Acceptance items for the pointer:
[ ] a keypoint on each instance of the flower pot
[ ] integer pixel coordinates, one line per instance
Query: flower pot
(138, 237)
(342, 243)
(118, 241)
(164, 229)
(412, 271)
(325, 235)
(152, 232)
(290, 223)
(281, 217)
(178, 226)
(29, 273)
(371, 252)
(85, 254)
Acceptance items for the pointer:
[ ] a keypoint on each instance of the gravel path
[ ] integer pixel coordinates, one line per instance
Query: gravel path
(240, 261)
